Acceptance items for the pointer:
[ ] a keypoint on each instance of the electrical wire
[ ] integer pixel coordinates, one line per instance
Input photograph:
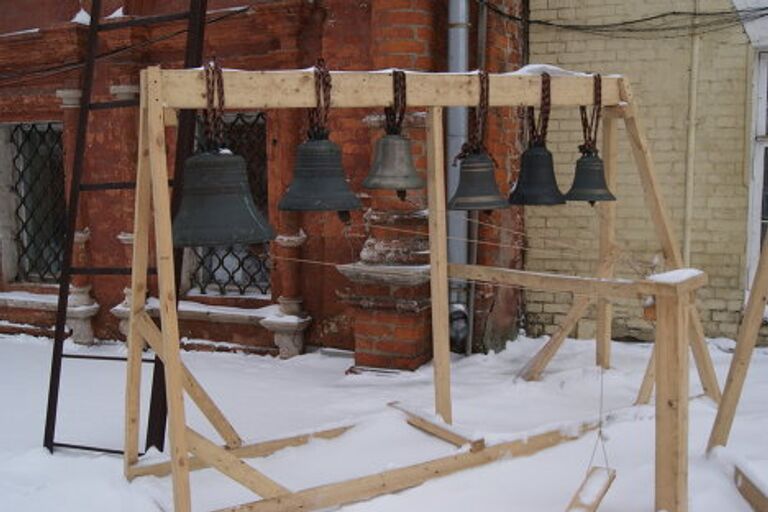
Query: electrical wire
(666, 25)
(17, 78)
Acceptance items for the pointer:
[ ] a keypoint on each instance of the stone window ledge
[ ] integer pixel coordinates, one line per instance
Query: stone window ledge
(80, 305)
(190, 310)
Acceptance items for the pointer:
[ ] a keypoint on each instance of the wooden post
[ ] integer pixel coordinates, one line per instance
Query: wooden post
(655, 202)
(438, 259)
(672, 403)
(167, 291)
(607, 221)
(142, 215)
(745, 345)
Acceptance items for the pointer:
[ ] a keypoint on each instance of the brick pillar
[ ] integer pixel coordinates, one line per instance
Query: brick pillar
(390, 294)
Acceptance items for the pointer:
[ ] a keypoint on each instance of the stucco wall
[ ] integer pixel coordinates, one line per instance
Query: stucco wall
(658, 69)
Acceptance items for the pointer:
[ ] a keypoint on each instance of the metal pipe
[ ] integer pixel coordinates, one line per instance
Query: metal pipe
(690, 148)
(456, 129)
(482, 38)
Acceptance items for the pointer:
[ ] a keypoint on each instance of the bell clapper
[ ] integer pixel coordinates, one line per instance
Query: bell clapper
(401, 194)
(345, 217)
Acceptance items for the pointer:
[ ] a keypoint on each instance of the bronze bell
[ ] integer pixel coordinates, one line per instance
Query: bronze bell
(217, 207)
(589, 180)
(477, 189)
(318, 181)
(536, 184)
(393, 166)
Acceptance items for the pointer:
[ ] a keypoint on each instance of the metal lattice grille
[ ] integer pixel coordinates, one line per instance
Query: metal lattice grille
(239, 269)
(38, 182)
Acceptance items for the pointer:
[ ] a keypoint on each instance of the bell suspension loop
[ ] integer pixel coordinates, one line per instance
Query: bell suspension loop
(392, 166)
(589, 179)
(536, 182)
(217, 206)
(477, 188)
(319, 182)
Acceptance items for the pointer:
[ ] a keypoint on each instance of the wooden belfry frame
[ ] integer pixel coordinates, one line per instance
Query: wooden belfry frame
(163, 92)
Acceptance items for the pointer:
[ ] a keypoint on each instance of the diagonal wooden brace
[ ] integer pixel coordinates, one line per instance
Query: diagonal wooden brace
(149, 331)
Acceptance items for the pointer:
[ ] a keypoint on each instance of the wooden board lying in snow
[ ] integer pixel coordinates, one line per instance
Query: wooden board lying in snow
(751, 491)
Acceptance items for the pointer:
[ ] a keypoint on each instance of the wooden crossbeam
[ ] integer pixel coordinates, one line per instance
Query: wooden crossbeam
(248, 451)
(592, 490)
(534, 368)
(185, 89)
(444, 432)
(149, 331)
(393, 480)
(232, 466)
(592, 286)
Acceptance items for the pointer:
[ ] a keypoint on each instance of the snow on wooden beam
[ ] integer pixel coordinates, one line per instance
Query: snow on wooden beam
(185, 89)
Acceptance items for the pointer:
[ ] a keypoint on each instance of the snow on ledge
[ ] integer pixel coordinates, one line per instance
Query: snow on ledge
(82, 17)
(190, 310)
(675, 276)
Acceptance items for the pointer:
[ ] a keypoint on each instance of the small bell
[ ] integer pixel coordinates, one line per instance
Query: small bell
(536, 184)
(393, 166)
(217, 207)
(589, 180)
(318, 181)
(477, 189)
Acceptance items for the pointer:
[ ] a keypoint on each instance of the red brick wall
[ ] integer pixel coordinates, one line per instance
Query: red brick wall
(280, 34)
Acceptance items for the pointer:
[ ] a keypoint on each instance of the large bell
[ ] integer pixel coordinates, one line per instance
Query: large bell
(393, 166)
(216, 204)
(589, 181)
(318, 180)
(477, 189)
(536, 184)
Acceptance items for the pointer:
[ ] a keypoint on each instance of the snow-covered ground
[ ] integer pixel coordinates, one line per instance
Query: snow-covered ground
(268, 398)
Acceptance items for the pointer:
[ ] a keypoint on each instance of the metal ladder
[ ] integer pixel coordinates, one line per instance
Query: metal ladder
(193, 57)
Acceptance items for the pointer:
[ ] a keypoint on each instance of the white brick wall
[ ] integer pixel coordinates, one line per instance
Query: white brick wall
(658, 70)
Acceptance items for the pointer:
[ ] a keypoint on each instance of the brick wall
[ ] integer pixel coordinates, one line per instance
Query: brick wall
(563, 238)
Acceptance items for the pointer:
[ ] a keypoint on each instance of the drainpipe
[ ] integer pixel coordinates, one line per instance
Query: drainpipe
(482, 38)
(690, 148)
(456, 128)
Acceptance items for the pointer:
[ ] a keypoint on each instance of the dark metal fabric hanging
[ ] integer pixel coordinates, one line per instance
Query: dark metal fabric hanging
(477, 188)
(217, 208)
(536, 183)
(589, 180)
(393, 167)
(319, 182)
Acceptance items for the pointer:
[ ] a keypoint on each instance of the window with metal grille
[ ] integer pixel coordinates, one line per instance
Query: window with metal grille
(38, 183)
(238, 269)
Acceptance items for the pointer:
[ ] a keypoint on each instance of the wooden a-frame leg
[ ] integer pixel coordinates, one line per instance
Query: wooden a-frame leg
(745, 346)
(655, 203)
(438, 234)
(534, 368)
(142, 215)
(646, 387)
(607, 223)
(672, 403)
(167, 291)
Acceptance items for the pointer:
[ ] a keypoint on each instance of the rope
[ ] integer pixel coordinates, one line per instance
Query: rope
(214, 111)
(476, 141)
(589, 125)
(318, 116)
(537, 135)
(395, 114)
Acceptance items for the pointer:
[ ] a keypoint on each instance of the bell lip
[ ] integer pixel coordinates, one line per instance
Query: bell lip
(492, 204)
(582, 195)
(371, 183)
(182, 241)
(523, 200)
(350, 204)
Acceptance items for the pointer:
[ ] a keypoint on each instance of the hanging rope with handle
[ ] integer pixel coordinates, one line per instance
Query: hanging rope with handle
(589, 125)
(395, 115)
(318, 116)
(476, 141)
(537, 130)
(213, 115)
